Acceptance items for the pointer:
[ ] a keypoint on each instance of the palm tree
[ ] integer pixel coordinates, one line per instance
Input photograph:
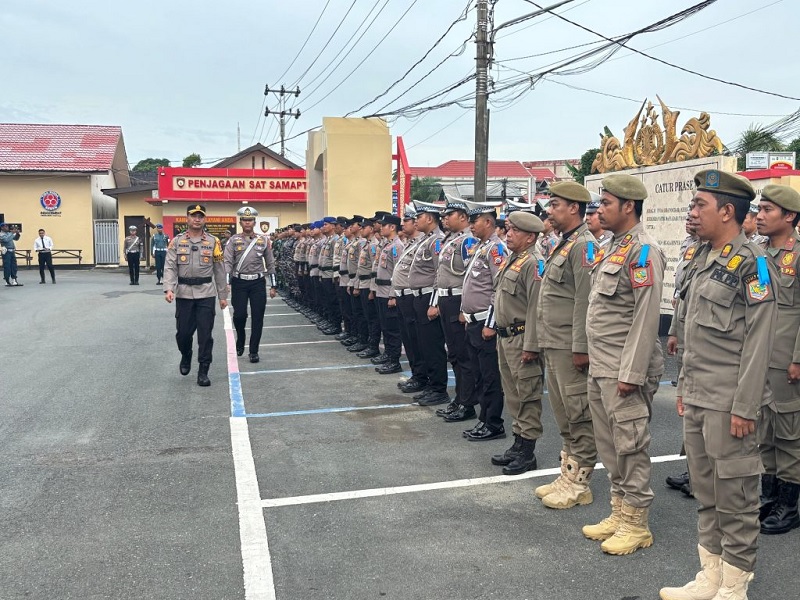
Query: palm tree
(756, 138)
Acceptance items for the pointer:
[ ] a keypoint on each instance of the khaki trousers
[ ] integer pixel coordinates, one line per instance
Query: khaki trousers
(622, 436)
(522, 386)
(725, 476)
(779, 429)
(567, 391)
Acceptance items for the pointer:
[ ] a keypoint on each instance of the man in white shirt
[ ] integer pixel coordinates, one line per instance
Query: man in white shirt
(43, 246)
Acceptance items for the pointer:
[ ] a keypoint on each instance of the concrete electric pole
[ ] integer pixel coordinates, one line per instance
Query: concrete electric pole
(282, 113)
(481, 110)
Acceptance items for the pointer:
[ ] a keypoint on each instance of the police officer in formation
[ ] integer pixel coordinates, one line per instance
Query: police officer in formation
(194, 277)
(249, 264)
(385, 300)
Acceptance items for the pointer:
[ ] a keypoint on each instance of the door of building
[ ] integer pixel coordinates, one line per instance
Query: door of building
(106, 242)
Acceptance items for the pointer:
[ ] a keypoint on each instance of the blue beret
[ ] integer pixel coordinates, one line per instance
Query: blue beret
(329, 220)
(159, 226)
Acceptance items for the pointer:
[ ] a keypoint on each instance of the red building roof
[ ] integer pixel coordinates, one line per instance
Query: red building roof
(82, 148)
(497, 169)
(768, 173)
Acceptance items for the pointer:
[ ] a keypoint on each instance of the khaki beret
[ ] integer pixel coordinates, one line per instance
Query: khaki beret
(624, 187)
(570, 190)
(782, 195)
(525, 221)
(721, 182)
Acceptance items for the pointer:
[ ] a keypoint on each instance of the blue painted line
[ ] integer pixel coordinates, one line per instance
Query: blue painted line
(317, 411)
(237, 399)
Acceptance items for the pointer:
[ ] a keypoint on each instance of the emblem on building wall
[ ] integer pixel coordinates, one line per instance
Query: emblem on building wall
(647, 143)
(50, 201)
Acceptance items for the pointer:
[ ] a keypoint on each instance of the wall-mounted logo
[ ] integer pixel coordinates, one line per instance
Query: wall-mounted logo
(180, 182)
(50, 201)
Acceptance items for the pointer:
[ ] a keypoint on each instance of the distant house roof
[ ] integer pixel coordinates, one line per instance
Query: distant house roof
(497, 169)
(75, 148)
(769, 173)
(256, 148)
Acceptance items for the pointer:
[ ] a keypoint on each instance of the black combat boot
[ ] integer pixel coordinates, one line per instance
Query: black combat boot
(676, 482)
(784, 516)
(523, 461)
(202, 375)
(508, 456)
(380, 359)
(769, 494)
(186, 363)
(390, 367)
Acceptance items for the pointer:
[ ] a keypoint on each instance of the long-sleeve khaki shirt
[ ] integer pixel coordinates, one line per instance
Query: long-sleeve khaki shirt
(422, 272)
(403, 266)
(730, 324)
(193, 257)
(364, 268)
(453, 260)
(391, 252)
(353, 256)
(517, 294)
(624, 310)
(326, 263)
(487, 261)
(314, 251)
(786, 260)
(564, 292)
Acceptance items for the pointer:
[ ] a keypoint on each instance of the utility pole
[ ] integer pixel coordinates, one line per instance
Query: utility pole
(282, 113)
(481, 112)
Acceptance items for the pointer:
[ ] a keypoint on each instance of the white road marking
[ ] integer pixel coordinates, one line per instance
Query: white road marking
(300, 343)
(292, 314)
(425, 487)
(286, 326)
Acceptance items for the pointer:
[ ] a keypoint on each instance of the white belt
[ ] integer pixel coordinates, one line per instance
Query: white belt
(423, 291)
(449, 291)
(403, 292)
(159, 249)
(250, 277)
(475, 317)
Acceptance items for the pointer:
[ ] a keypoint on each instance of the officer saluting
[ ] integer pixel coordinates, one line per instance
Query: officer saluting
(246, 255)
(194, 260)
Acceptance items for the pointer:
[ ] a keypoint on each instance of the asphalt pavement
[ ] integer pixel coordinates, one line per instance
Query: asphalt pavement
(305, 476)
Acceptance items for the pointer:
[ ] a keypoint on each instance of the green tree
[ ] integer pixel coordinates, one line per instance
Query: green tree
(193, 160)
(585, 168)
(150, 164)
(425, 189)
(794, 146)
(756, 138)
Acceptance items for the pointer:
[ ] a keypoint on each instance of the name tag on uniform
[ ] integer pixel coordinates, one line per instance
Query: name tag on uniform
(725, 276)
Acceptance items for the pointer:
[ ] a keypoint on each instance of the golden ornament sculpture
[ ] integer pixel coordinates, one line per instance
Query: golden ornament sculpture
(647, 144)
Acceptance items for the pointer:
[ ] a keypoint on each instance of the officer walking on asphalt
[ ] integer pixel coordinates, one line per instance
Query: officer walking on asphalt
(194, 276)
(249, 263)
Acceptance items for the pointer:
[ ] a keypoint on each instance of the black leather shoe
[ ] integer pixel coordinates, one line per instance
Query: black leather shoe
(484, 434)
(687, 490)
(254, 357)
(342, 336)
(389, 368)
(412, 386)
(349, 341)
(239, 351)
(448, 410)
(676, 482)
(357, 347)
(186, 363)
(464, 413)
(202, 376)
(434, 398)
(368, 353)
(332, 331)
(380, 359)
(425, 391)
(467, 432)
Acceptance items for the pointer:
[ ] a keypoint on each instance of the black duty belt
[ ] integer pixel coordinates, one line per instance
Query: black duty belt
(364, 277)
(325, 268)
(345, 273)
(194, 280)
(511, 330)
(383, 281)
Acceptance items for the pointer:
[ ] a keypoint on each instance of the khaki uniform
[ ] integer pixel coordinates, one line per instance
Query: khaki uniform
(622, 332)
(515, 307)
(728, 334)
(779, 426)
(185, 263)
(561, 316)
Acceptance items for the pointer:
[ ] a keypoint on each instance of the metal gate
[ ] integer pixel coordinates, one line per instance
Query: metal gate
(106, 242)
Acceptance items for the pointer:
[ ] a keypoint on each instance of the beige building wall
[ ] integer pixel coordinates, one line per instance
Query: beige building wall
(256, 160)
(72, 229)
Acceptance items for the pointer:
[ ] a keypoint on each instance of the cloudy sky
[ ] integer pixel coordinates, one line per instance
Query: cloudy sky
(180, 75)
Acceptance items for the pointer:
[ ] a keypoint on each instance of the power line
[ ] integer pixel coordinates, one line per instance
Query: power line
(438, 131)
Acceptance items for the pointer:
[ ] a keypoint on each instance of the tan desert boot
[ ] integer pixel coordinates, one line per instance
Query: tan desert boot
(706, 583)
(734, 583)
(608, 526)
(573, 488)
(632, 533)
(549, 488)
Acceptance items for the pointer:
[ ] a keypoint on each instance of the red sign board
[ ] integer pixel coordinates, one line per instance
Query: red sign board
(232, 185)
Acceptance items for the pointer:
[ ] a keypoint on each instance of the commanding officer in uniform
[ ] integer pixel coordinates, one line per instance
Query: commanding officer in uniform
(456, 251)
(625, 362)
(729, 290)
(194, 260)
(246, 255)
(385, 300)
(158, 248)
(563, 302)
(132, 249)
(477, 312)
(779, 427)
(516, 290)
(421, 278)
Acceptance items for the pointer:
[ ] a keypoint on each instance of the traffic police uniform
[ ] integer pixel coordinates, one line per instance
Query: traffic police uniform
(328, 296)
(7, 239)
(389, 314)
(132, 249)
(195, 273)
(516, 292)
(477, 311)
(622, 332)
(359, 271)
(249, 262)
(340, 281)
(563, 302)
(159, 245)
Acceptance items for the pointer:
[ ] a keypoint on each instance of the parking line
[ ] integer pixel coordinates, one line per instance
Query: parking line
(292, 314)
(286, 326)
(318, 411)
(300, 343)
(426, 487)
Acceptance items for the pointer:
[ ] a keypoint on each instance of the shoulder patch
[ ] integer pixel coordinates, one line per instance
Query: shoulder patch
(218, 254)
(641, 276)
(755, 291)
